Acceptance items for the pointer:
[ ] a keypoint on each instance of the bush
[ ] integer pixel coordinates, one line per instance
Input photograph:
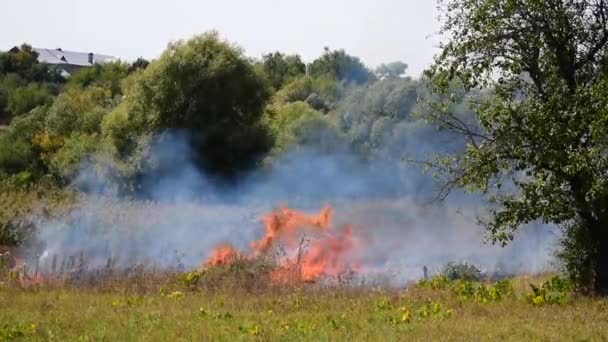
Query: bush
(463, 270)
(109, 76)
(77, 110)
(15, 155)
(66, 160)
(554, 291)
(480, 292)
(22, 100)
(22, 205)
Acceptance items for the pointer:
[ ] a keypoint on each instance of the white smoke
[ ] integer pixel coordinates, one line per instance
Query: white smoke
(184, 216)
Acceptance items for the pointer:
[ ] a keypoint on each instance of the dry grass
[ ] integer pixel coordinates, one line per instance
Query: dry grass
(168, 309)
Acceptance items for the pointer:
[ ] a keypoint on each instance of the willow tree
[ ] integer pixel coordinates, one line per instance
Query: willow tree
(540, 147)
(204, 86)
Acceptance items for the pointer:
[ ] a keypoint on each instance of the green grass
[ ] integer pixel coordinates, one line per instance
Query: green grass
(307, 313)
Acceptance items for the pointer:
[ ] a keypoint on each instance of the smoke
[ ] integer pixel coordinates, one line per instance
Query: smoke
(185, 214)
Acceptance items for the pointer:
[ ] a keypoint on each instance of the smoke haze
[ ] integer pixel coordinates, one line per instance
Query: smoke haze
(185, 215)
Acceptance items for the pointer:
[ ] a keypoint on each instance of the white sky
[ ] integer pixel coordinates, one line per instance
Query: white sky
(377, 31)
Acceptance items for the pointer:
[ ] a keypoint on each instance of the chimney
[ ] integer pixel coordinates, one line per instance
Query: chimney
(90, 58)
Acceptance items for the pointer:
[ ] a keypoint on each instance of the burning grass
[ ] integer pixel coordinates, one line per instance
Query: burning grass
(304, 248)
(301, 279)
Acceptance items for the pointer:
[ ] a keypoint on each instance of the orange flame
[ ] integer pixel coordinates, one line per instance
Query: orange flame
(222, 255)
(326, 256)
(285, 223)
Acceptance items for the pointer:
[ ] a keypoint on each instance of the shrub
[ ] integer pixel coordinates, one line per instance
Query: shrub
(463, 270)
(554, 291)
(481, 292)
(24, 99)
(15, 155)
(437, 282)
(66, 160)
(22, 205)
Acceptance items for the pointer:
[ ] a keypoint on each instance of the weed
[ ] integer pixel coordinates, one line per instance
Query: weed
(463, 270)
(556, 290)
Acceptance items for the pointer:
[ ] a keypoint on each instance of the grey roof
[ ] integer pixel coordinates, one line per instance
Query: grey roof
(56, 56)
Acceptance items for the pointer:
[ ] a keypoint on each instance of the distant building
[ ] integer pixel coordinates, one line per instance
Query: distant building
(69, 61)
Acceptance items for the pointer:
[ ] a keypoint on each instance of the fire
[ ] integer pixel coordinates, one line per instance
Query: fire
(284, 223)
(222, 255)
(327, 257)
(327, 254)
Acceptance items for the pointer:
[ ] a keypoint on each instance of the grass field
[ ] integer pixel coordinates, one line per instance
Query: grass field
(175, 312)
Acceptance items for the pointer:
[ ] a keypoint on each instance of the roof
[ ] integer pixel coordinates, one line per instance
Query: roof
(58, 56)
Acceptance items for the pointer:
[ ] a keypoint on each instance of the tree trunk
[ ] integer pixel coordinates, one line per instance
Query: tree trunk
(600, 236)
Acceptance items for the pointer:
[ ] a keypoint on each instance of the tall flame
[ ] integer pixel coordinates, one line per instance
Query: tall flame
(285, 223)
(222, 255)
(327, 255)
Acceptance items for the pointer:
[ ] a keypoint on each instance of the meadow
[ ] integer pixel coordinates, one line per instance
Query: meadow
(201, 306)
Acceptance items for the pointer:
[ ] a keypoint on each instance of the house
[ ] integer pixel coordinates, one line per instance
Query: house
(69, 61)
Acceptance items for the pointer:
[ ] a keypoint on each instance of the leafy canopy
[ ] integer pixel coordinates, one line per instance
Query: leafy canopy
(539, 151)
(204, 86)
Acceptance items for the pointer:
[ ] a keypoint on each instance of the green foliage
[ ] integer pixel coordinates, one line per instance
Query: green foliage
(481, 292)
(23, 61)
(17, 96)
(24, 83)
(21, 330)
(280, 68)
(369, 115)
(469, 289)
(205, 86)
(139, 64)
(109, 75)
(23, 99)
(554, 291)
(341, 66)
(543, 134)
(78, 110)
(15, 155)
(119, 310)
(576, 256)
(296, 123)
(66, 160)
(301, 89)
(392, 70)
(462, 270)
(437, 282)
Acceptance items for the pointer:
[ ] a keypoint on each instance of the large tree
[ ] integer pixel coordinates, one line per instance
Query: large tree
(206, 87)
(341, 66)
(540, 149)
(280, 68)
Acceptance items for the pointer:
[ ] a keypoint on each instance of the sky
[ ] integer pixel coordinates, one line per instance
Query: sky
(377, 31)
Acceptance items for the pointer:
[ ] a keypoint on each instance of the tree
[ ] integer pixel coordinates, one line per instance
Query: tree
(341, 66)
(23, 61)
(139, 64)
(367, 114)
(280, 68)
(206, 87)
(109, 75)
(391, 70)
(539, 151)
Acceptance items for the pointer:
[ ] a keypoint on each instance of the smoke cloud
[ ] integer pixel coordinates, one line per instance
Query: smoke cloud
(185, 214)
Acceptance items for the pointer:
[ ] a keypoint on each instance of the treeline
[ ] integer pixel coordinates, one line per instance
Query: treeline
(236, 111)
